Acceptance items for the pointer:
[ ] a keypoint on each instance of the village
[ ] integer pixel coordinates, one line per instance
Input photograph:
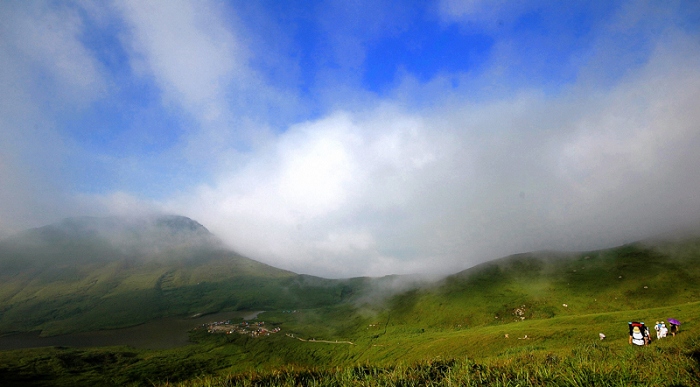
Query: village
(252, 329)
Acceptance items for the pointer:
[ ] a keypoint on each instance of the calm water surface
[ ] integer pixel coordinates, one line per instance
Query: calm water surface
(169, 332)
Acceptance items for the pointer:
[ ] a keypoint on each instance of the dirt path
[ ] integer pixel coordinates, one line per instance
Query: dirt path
(321, 341)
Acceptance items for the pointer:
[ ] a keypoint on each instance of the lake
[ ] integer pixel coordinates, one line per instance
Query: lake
(164, 333)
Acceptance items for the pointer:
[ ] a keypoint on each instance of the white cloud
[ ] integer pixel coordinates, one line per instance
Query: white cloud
(434, 179)
(200, 57)
(491, 14)
(188, 49)
(300, 199)
(44, 71)
(117, 204)
(382, 190)
(48, 40)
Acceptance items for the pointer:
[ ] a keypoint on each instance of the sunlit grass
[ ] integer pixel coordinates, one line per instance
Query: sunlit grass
(586, 365)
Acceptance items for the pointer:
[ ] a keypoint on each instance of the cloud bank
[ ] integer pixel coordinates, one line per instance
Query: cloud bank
(557, 137)
(387, 191)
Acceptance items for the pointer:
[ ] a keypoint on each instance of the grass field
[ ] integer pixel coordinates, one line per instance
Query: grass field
(558, 351)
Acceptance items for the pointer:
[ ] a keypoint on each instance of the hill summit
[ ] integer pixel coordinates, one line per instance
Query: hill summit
(94, 273)
(127, 236)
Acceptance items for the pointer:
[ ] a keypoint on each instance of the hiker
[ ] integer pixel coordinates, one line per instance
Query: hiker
(639, 334)
(657, 328)
(674, 328)
(663, 331)
(647, 335)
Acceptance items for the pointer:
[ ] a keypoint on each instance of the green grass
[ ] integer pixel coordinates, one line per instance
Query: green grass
(544, 283)
(560, 351)
(102, 295)
(452, 332)
(607, 363)
(103, 367)
(93, 311)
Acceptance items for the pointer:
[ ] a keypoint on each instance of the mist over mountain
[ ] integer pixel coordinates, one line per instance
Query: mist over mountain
(89, 273)
(130, 235)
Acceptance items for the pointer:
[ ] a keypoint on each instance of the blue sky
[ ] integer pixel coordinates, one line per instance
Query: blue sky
(345, 138)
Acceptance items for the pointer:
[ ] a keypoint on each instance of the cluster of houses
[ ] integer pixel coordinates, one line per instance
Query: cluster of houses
(254, 329)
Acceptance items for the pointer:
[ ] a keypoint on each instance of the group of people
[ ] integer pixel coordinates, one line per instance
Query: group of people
(662, 331)
(639, 333)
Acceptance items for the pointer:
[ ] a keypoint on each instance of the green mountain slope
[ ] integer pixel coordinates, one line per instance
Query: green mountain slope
(92, 273)
(545, 285)
(530, 318)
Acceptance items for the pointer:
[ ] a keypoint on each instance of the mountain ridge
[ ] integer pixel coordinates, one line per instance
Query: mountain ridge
(89, 283)
(90, 272)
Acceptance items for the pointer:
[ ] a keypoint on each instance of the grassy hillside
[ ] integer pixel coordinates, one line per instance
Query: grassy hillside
(546, 285)
(95, 273)
(613, 286)
(558, 351)
(528, 319)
